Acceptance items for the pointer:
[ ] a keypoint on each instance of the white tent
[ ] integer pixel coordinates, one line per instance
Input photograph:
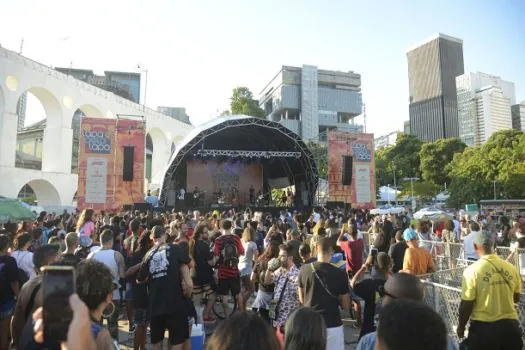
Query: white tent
(387, 193)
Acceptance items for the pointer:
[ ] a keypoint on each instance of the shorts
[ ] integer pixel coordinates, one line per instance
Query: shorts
(226, 285)
(7, 309)
(141, 317)
(129, 293)
(177, 325)
(204, 290)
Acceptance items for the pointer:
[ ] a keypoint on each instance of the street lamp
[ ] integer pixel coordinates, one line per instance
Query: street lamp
(411, 179)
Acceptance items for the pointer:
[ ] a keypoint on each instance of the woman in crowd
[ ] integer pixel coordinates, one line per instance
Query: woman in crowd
(265, 290)
(243, 331)
(23, 227)
(305, 329)
(246, 262)
(23, 257)
(86, 226)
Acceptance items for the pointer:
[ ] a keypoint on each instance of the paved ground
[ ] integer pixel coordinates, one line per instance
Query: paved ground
(126, 339)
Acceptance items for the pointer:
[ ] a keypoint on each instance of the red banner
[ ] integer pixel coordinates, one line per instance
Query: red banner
(101, 162)
(359, 150)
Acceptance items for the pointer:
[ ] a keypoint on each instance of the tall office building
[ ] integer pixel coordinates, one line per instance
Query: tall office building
(483, 106)
(178, 113)
(518, 116)
(406, 127)
(432, 70)
(310, 101)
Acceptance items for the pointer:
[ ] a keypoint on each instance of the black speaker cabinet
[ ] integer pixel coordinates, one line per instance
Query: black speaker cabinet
(347, 170)
(127, 167)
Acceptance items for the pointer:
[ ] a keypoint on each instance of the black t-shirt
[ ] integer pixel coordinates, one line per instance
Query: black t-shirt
(368, 289)
(397, 253)
(8, 274)
(203, 270)
(139, 292)
(317, 297)
(161, 267)
(70, 259)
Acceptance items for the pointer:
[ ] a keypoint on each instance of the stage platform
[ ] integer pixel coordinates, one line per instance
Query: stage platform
(272, 210)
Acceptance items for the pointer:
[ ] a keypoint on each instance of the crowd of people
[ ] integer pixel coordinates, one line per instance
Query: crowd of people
(290, 276)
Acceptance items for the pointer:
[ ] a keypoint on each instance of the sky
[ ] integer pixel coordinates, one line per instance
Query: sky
(197, 51)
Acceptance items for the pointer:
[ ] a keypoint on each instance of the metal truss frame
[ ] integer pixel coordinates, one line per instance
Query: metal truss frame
(246, 154)
(306, 158)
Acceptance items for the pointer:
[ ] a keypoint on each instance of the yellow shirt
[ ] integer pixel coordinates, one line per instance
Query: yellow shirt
(493, 297)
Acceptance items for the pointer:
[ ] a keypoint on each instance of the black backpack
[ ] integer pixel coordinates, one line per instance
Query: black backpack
(23, 277)
(229, 252)
(84, 252)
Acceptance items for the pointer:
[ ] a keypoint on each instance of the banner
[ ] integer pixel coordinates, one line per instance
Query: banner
(361, 193)
(101, 162)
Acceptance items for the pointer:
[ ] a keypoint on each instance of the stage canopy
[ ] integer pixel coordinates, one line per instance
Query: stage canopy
(285, 157)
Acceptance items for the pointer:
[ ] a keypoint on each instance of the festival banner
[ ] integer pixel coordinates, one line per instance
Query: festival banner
(101, 160)
(361, 193)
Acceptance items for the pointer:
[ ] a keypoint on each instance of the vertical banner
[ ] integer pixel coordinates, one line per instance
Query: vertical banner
(361, 192)
(101, 157)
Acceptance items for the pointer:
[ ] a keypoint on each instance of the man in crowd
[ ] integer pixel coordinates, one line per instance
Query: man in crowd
(489, 289)
(324, 288)
(163, 268)
(468, 245)
(397, 252)
(72, 243)
(417, 260)
(400, 286)
(227, 249)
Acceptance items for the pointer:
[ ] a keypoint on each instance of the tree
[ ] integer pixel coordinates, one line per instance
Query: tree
(242, 102)
(320, 155)
(435, 156)
(225, 113)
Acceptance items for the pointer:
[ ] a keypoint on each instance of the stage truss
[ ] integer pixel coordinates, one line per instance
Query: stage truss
(246, 154)
(305, 158)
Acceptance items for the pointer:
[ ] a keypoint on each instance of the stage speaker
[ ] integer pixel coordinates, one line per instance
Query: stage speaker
(127, 167)
(347, 170)
(143, 207)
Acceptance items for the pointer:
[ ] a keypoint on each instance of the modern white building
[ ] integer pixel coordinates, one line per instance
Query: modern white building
(483, 106)
(309, 101)
(518, 116)
(386, 140)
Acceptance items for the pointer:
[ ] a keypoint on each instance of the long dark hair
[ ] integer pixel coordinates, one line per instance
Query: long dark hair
(271, 251)
(305, 329)
(144, 242)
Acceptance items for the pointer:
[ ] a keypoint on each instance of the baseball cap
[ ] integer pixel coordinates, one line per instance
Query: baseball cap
(482, 238)
(158, 231)
(409, 234)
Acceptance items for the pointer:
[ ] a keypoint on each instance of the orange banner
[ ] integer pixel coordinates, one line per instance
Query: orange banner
(101, 162)
(359, 150)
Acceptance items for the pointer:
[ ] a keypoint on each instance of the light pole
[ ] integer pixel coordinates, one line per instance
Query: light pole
(395, 184)
(494, 182)
(412, 179)
(388, 194)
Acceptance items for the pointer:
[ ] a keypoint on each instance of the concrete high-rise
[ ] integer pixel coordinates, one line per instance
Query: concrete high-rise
(178, 113)
(310, 101)
(483, 106)
(432, 70)
(518, 116)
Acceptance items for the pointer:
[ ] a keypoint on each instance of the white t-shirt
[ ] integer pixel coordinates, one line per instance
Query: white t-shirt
(246, 261)
(24, 261)
(468, 246)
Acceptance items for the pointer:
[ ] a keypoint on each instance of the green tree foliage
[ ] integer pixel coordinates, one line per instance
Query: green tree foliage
(500, 159)
(320, 154)
(435, 156)
(242, 102)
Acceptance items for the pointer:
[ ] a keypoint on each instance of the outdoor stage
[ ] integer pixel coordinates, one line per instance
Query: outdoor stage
(236, 161)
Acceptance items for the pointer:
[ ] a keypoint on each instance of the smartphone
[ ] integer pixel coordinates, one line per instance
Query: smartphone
(58, 285)
(373, 252)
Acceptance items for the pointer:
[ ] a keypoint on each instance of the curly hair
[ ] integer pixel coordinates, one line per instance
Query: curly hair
(94, 282)
(21, 240)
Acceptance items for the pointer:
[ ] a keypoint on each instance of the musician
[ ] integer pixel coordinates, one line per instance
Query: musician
(251, 194)
(196, 195)
(284, 197)
(260, 197)
(182, 193)
(234, 193)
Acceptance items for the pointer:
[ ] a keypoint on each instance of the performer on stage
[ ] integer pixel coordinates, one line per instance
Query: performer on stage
(196, 196)
(182, 193)
(284, 197)
(252, 193)
(260, 198)
(234, 193)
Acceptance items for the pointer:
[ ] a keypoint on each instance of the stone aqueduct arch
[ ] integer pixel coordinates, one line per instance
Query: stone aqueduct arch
(61, 95)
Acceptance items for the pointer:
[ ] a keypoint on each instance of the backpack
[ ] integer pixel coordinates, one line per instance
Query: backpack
(23, 277)
(229, 252)
(84, 252)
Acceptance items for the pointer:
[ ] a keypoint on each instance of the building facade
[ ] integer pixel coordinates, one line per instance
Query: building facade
(518, 116)
(386, 140)
(310, 101)
(483, 106)
(432, 70)
(178, 113)
(406, 127)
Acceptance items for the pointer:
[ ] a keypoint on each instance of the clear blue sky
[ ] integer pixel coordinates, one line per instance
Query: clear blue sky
(196, 51)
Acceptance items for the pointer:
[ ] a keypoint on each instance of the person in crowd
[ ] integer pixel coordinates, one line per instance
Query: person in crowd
(369, 289)
(115, 262)
(265, 290)
(72, 243)
(246, 262)
(353, 248)
(30, 296)
(36, 239)
(382, 244)
(293, 236)
(203, 279)
(129, 247)
(306, 254)
(23, 257)
(163, 268)
(397, 252)
(468, 245)
(448, 234)
(86, 227)
(465, 229)
(423, 230)
(400, 286)
(489, 289)
(320, 233)
(305, 329)
(410, 325)
(139, 292)
(243, 331)
(324, 288)
(9, 289)
(227, 249)
(417, 260)
(23, 226)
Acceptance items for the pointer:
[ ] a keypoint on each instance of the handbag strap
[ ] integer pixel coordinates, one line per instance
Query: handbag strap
(325, 287)
(282, 291)
(498, 271)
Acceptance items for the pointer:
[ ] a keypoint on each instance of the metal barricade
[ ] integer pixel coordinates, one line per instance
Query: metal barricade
(445, 255)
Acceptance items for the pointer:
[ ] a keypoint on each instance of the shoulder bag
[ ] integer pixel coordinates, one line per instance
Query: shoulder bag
(273, 309)
(325, 287)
